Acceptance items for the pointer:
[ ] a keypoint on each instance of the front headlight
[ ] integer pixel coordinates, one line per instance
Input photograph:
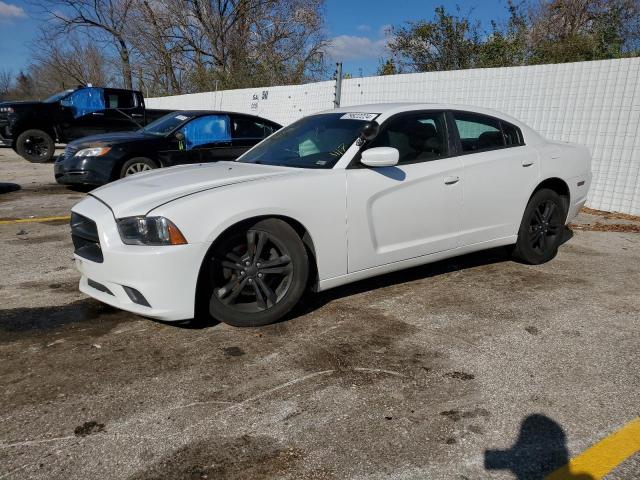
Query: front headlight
(92, 152)
(149, 231)
(6, 109)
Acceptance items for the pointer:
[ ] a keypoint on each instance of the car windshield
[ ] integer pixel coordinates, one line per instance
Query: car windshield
(58, 96)
(166, 124)
(318, 141)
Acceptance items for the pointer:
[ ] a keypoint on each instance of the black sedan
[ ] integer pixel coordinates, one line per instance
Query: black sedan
(177, 138)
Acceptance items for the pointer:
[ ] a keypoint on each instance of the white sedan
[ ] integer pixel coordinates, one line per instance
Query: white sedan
(333, 198)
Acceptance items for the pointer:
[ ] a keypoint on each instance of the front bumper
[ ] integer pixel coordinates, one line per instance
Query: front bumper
(82, 170)
(5, 134)
(578, 190)
(165, 276)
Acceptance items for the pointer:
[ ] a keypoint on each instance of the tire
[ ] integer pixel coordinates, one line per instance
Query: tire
(542, 227)
(256, 274)
(35, 146)
(137, 165)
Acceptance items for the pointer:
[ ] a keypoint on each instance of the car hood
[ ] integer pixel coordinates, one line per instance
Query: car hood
(141, 193)
(109, 139)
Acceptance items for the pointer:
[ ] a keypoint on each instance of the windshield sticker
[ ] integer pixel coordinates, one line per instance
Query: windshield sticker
(338, 152)
(365, 117)
(181, 117)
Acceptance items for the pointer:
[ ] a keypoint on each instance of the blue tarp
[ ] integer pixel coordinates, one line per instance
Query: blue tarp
(209, 129)
(85, 101)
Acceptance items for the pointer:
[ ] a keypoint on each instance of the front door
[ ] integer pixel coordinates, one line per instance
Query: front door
(206, 139)
(83, 114)
(412, 209)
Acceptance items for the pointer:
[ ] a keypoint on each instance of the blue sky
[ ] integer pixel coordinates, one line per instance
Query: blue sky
(355, 27)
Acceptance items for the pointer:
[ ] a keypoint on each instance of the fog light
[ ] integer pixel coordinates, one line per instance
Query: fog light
(136, 296)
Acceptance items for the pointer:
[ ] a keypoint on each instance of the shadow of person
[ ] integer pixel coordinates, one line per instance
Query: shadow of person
(540, 449)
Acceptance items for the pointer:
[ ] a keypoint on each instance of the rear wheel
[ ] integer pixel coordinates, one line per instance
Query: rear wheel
(257, 274)
(35, 146)
(541, 229)
(137, 165)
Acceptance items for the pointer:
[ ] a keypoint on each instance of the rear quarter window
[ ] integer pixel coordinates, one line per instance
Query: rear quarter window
(512, 135)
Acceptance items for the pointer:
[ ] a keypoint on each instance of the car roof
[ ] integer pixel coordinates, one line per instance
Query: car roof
(199, 113)
(392, 108)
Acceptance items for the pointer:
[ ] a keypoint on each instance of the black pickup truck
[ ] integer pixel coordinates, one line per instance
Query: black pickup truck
(33, 128)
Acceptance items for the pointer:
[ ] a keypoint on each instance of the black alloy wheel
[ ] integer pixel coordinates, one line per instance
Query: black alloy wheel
(542, 228)
(35, 146)
(257, 274)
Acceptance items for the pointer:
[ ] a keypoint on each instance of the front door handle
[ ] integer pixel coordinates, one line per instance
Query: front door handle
(451, 180)
(527, 163)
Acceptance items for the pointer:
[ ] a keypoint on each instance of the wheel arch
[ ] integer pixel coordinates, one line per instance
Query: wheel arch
(557, 185)
(304, 234)
(22, 127)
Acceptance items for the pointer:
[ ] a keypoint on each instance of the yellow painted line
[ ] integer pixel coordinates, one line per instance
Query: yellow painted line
(35, 219)
(604, 456)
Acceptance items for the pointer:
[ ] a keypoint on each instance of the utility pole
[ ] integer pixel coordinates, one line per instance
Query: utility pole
(338, 87)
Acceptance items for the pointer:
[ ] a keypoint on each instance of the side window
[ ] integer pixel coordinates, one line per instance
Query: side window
(210, 129)
(243, 128)
(418, 138)
(85, 101)
(478, 132)
(512, 135)
(119, 99)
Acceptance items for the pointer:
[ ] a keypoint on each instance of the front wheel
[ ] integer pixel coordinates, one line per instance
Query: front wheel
(257, 274)
(541, 229)
(137, 165)
(35, 146)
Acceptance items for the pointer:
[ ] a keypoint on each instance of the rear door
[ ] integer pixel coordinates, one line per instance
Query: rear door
(500, 171)
(412, 209)
(123, 111)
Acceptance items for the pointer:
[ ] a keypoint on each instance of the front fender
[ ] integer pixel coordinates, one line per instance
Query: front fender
(316, 199)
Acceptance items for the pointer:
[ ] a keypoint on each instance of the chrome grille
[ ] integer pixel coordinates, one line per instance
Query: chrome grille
(86, 241)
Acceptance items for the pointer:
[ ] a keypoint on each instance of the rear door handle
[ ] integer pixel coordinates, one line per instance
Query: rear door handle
(451, 180)
(527, 163)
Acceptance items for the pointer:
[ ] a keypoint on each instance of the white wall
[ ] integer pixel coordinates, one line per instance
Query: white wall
(593, 103)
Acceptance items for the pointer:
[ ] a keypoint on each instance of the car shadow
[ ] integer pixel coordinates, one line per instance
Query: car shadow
(81, 188)
(312, 301)
(541, 448)
(6, 187)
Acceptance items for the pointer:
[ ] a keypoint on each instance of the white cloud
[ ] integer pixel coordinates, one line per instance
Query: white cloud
(9, 11)
(352, 47)
(364, 28)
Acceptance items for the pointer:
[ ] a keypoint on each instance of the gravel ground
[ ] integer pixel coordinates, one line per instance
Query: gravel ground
(475, 367)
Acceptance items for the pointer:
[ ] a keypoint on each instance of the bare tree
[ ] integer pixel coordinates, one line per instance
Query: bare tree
(6, 83)
(69, 61)
(155, 46)
(104, 21)
(250, 42)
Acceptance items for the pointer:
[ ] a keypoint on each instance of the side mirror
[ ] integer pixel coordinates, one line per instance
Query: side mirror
(368, 132)
(179, 136)
(380, 157)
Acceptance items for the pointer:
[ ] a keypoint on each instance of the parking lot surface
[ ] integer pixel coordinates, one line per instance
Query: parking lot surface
(475, 367)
